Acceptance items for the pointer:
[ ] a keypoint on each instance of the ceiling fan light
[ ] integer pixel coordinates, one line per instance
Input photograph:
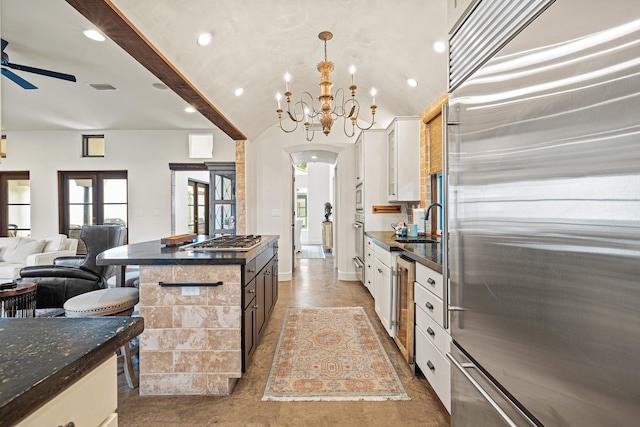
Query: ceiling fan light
(94, 35)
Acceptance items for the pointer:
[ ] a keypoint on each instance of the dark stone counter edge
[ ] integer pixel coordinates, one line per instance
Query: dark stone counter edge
(160, 255)
(24, 404)
(385, 241)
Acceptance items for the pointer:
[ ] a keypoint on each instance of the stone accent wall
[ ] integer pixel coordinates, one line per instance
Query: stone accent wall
(190, 344)
(241, 198)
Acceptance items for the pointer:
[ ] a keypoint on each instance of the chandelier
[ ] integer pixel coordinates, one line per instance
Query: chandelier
(306, 112)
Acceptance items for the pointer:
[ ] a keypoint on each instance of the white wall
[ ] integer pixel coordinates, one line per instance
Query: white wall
(319, 183)
(271, 162)
(145, 155)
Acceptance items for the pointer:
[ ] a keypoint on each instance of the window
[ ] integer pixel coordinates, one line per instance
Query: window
(198, 206)
(92, 198)
(92, 145)
(223, 179)
(15, 201)
(301, 208)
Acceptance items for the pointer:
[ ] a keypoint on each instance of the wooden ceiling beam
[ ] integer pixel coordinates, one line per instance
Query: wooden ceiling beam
(112, 23)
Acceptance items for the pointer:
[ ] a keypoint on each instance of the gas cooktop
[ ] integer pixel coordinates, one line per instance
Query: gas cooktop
(226, 243)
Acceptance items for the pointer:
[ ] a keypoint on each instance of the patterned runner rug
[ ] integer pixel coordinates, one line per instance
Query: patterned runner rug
(330, 354)
(310, 252)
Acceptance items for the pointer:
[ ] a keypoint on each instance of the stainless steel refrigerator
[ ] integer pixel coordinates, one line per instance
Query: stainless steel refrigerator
(544, 224)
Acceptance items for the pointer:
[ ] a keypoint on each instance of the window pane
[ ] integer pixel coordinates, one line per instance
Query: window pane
(80, 215)
(224, 187)
(225, 216)
(20, 215)
(80, 191)
(115, 214)
(19, 191)
(115, 191)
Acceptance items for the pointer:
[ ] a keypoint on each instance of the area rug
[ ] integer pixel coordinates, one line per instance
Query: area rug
(310, 251)
(331, 354)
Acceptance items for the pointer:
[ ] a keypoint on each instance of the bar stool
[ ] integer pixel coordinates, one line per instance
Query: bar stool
(107, 302)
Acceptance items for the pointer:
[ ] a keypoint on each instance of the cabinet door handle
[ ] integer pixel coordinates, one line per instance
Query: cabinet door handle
(430, 331)
(252, 291)
(429, 305)
(69, 424)
(431, 281)
(255, 306)
(430, 365)
(379, 271)
(251, 270)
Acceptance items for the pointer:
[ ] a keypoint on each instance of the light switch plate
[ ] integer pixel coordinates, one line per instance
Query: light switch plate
(276, 212)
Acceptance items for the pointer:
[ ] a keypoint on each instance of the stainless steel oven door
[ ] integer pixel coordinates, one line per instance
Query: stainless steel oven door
(359, 242)
(359, 197)
(359, 269)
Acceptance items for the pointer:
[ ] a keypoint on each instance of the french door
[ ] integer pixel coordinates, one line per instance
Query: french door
(88, 198)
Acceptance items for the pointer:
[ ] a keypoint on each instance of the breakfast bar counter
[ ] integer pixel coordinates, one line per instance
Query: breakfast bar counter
(204, 311)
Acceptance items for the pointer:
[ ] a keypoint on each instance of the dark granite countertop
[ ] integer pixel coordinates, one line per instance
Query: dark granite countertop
(154, 253)
(427, 254)
(40, 357)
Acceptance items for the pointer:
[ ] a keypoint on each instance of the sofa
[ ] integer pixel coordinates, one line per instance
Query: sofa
(19, 252)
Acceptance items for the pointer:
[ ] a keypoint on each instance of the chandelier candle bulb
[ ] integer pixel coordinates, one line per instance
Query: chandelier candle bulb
(278, 98)
(352, 70)
(287, 77)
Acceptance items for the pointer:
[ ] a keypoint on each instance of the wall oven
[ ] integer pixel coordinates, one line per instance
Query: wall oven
(358, 260)
(404, 307)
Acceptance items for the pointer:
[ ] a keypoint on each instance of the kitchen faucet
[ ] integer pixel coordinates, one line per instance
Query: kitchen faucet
(426, 216)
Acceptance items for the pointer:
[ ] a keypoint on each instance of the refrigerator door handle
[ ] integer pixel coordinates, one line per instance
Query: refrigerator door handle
(445, 215)
(480, 390)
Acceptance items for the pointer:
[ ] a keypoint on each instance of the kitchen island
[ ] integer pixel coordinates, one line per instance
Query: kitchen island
(204, 312)
(58, 370)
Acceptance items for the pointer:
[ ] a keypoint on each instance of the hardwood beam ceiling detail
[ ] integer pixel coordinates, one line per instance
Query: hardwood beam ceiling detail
(108, 19)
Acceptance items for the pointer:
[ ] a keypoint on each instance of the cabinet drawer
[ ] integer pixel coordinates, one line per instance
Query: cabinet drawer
(430, 279)
(370, 253)
(248, 293)
(435, 367)
(427, 301)
(249, 271)
(434, 332)
(384, 256)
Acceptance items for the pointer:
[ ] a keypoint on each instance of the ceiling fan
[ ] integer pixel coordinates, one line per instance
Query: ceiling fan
(19, 80)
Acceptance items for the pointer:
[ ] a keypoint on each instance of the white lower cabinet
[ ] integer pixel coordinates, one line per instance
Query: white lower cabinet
(384, 286)
(370, 265)
(432, 341)
(91, 401)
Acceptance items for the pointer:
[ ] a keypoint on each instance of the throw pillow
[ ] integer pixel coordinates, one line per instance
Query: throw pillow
(8, 247)
(56, 243)
(25, 248)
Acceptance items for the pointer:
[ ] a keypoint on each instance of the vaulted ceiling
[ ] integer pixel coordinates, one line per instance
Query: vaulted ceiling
(254, 44)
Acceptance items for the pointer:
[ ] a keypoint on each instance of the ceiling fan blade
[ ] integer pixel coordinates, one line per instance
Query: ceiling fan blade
(17, 79)
(42, 72)
(4, 44)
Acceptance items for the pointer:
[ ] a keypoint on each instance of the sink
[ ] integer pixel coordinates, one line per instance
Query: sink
(414, 240)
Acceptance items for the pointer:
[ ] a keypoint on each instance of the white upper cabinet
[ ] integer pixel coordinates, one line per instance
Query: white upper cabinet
(359, 160)
(403, 159)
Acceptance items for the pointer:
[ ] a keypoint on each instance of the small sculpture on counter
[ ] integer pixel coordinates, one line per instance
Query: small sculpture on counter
(327, 211)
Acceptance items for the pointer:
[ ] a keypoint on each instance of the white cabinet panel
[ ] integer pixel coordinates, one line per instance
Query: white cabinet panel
(431, 304)
(88, 402)
(435, 367)
(403, 159)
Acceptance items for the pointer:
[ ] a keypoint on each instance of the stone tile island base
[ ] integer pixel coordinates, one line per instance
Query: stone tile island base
(191, 345)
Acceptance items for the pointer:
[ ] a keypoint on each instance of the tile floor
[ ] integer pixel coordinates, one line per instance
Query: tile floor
(314, 284)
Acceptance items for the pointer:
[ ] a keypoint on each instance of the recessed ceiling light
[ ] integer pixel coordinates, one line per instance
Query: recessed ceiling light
(94, 35)
(190, 110)
(238, 91)
(314, 157)
(204, 39)
(439, 46)
(412, 82)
